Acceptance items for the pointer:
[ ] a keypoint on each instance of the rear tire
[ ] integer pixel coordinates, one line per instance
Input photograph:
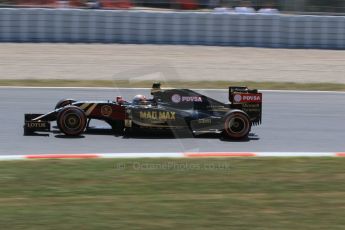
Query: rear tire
(71, 121)
(237, 125)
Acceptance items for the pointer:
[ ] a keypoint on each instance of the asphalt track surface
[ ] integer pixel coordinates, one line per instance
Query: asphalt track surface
(292, 122)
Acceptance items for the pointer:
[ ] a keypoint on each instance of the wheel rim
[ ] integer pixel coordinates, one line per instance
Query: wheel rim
(72, 121)
(237, 125)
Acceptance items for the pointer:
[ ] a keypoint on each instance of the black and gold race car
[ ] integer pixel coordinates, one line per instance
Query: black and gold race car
(168, 109)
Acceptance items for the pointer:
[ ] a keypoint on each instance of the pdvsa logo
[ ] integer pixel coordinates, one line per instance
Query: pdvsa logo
(247, 98)
(254, 98)
(176, 98)
(237, 98)
(192, 99)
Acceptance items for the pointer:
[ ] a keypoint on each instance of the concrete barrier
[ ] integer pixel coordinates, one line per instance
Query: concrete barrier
(190, 28)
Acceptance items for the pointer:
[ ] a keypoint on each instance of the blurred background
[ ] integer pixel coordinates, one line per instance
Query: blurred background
(286, 6)
(260, 23)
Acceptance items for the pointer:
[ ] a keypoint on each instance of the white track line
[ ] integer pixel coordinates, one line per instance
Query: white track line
(171, 155)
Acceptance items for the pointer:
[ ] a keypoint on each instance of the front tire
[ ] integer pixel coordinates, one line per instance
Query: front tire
(71, 121)
(237, 125)
(63, 103)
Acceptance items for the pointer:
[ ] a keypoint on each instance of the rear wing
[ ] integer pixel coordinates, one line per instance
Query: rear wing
(248, 100)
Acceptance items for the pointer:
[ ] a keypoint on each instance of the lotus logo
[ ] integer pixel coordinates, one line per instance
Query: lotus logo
(176, 98)
(36, 125)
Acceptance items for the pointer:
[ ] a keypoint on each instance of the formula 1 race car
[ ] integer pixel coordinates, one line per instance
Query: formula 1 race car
(169, 109)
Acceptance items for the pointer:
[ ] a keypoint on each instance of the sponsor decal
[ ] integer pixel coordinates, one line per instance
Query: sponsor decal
(237, 98)
(216, 107)
(242, 98)
(176, 98)
(36, 125)
(251, 106)
(204, 121)
(106, 110)
(191, 99)
(157, 115)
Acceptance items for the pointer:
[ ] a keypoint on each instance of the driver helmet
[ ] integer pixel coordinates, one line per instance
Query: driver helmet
(139, 100)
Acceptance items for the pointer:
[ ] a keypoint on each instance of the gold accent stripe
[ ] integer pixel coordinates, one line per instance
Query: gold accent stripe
(89, 111)
(83, 106)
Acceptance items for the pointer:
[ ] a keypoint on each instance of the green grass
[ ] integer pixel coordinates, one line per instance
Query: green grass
(179, 84)
(251, 193)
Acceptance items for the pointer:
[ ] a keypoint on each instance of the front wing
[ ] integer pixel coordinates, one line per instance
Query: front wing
(31, 125)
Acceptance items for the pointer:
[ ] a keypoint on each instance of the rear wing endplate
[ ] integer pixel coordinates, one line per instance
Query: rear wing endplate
(248, 100)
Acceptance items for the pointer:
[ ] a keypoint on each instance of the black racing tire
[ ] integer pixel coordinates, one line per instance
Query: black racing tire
(71, 121)
(63, 103)
(237, 125)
